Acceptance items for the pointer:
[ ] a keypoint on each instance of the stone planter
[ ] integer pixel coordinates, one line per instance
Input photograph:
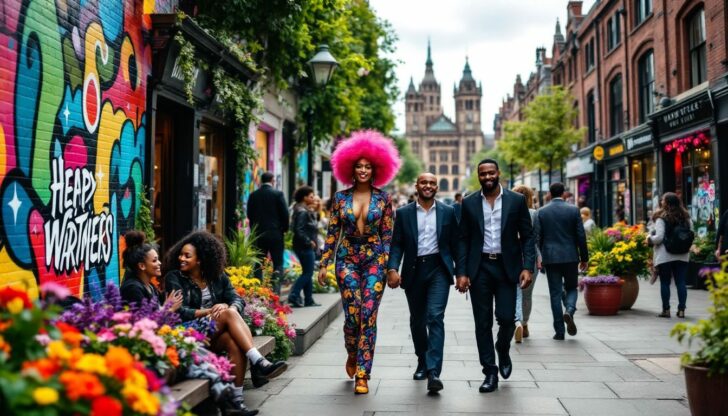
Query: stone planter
(630, 290)
(603, 299)
(707, 395)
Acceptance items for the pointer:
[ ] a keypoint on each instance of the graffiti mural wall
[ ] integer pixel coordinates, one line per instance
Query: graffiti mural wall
(72, 138)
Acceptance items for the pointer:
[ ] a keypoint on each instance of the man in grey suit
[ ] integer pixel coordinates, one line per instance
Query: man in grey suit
(562, 241)
(425, 236)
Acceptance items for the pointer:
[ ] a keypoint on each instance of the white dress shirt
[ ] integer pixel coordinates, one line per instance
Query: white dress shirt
(426, 230)
(492, 224)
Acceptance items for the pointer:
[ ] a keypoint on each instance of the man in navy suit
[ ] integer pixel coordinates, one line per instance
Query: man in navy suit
(497, 236)
(426, 236)
(562, 241)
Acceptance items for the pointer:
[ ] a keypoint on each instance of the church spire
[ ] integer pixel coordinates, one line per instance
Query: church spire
(429, 72)
(429, 55)
(558, 37)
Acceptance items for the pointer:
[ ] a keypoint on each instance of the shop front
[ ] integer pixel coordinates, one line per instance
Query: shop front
(642, 174)
(580, 180)
(686, 135)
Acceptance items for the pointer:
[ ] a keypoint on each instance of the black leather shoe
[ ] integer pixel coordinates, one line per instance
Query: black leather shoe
(258, 379)
(490, 384)
(313, 303)
(236, 407)
(420, 372)
(559, 337)
(294, 303)
(270, 370)
(434, 384)
(570, 325)
(505, 366)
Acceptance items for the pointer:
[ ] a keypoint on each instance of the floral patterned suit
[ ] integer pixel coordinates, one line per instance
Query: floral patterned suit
(360, 269)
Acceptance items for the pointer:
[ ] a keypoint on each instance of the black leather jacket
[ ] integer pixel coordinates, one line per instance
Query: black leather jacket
(220, 289)
(305, 227)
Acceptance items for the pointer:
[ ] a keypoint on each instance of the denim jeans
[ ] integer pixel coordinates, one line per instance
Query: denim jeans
(673, 270)
(524, 301)
(304, 282)
(563, 281)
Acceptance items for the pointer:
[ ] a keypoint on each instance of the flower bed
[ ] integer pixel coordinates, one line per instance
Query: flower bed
(619, 250)
(602, 295)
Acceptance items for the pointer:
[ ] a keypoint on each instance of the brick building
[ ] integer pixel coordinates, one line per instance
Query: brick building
(442, 144)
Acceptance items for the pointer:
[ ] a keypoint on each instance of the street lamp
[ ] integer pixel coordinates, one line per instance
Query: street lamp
(322, 67)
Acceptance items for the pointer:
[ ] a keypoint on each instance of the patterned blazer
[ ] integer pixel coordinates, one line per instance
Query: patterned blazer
(378, 224)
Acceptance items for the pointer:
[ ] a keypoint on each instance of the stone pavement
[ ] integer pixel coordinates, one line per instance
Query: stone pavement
(620, 365)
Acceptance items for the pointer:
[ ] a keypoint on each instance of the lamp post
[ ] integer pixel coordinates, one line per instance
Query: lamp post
(322, 66)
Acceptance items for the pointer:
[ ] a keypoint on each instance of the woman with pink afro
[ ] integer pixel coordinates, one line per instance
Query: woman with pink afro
(360, 231)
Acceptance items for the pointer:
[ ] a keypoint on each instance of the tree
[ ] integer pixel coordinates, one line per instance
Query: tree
(411, 165)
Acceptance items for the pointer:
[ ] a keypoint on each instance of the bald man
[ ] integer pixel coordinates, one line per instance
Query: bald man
(426, 236)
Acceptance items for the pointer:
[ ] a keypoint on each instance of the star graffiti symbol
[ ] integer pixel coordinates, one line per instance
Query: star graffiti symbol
(66, 113)
(15, 203)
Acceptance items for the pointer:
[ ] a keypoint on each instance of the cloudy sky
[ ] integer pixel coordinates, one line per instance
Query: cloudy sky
(500, 38)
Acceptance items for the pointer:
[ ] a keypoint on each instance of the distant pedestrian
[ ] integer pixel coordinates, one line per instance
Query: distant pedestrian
(458, 205)
(671, 241)
(587, 220)
(305, 245)
(524, 296)
(721, 236)
(268, 214)
(562, 242)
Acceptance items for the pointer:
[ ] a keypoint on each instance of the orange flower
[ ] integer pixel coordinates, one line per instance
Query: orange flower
(173, 356)
(5, 325)
(70, 334)
(119, 362)
(44, 367)
(81, 385)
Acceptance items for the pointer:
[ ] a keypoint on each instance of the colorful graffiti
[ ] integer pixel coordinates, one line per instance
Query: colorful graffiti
(72, 138)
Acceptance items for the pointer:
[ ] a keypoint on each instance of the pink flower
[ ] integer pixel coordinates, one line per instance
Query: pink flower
(122, 317)
(43, 339)
(54, 289)
(258, 322)
(106, 335)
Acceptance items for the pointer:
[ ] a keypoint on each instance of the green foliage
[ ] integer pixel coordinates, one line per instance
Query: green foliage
(411, 165)
(187, 64)
(599, 241)
(143, 220)
(544, 138)
(241, 249)
(703, 249)
(496, 153)
(712, 332)
(284, 345)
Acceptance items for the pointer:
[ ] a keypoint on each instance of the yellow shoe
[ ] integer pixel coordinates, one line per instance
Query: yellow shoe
(361, 386)
(351, 365)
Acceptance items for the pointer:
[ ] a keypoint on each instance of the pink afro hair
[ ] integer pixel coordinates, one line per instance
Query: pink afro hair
(373, 146)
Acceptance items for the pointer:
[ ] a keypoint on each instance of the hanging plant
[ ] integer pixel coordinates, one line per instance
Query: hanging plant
(683, 144)
(187, 65)
(143, 220)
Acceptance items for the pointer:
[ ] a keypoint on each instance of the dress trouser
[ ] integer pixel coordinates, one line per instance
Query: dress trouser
(427, 298)
(563, 279)
(360, 275)
(492, 284)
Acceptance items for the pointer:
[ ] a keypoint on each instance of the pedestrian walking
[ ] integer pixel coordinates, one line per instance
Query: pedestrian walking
(671, 239)
(360, 234)
(268, 215)
(524, 297)
(305, 245)
(426, 238)
(562, 242)
(497, 236)
(587, 220)
(458, 205)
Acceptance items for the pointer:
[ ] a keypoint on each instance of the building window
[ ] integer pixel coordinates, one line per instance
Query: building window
(469, 104)
(616, 123)
(455, 170)
(455, 184)
(642, 9)
(455, 156)
(591, 117)
(444, 185)
(613, 32)
(696, 44)
(471, 147)
(443, 170)
(443, 156)
(432, 169)
(416, 148)
(589, 55)
(646, 85)
(433, 157)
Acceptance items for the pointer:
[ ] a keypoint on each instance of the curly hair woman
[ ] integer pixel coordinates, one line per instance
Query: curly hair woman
(195, 266)
(360, 234)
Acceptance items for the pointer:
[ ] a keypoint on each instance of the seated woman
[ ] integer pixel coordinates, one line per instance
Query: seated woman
(141, 263)
(195, 267)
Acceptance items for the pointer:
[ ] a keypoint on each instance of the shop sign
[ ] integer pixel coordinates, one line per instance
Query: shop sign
(598, 153)
(682, 115)
(579, 166)
(639, 141)
(173, 77)
(615, 149)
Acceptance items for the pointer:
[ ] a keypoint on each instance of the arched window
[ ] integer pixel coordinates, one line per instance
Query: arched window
(646, 84)
(432, 169)
(443, 185)
(455, 184)
(443, 170)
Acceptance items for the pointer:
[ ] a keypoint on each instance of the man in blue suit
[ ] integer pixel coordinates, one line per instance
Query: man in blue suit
(426, 237)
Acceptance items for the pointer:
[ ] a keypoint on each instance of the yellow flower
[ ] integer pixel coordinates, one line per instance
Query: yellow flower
(136, 379)
(15, 306)
(378, 287)
(92, 363)
(58, 350)
(164, 330)
(141, 400)
(45, 396)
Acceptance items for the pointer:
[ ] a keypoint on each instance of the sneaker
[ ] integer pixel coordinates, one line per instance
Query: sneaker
(518, 335)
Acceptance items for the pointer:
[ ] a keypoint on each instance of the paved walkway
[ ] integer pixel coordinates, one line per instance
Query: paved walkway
(621, 365)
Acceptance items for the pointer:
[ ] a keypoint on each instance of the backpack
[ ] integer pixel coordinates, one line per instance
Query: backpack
(678, 238)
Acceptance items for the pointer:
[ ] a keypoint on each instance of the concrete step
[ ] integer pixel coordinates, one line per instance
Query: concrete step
(311, 322)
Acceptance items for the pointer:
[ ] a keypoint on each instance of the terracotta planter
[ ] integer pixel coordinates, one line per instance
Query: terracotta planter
(603, 299)
(707, 395)
(630, 290)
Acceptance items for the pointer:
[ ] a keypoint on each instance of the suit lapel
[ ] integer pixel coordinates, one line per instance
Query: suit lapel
(438, 220)
(412, 222)
(505, 208)
(478, 207)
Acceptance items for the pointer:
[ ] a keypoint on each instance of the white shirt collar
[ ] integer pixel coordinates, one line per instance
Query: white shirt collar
(418, 206)
(500, 194)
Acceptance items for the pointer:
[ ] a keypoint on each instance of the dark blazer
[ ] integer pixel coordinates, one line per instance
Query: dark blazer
(305, 227)
(134, 291)
(404, 241)
(458, 210)
(517, 244)
(268, 212)
(561, 235)
(220, 289)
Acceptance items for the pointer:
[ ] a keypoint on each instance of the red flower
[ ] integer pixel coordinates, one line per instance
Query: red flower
(9, 293)
(153, 382)
(105, 406)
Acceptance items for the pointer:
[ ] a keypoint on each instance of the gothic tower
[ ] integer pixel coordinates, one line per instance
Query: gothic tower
(430, 91)
(467, 102)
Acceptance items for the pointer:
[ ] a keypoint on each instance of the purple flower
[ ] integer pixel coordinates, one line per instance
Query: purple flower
(599, 280)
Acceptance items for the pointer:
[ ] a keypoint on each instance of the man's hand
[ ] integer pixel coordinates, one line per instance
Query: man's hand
(525, 279)
(393, 279)
(462, 284)
(583, 266)
(322, 276)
